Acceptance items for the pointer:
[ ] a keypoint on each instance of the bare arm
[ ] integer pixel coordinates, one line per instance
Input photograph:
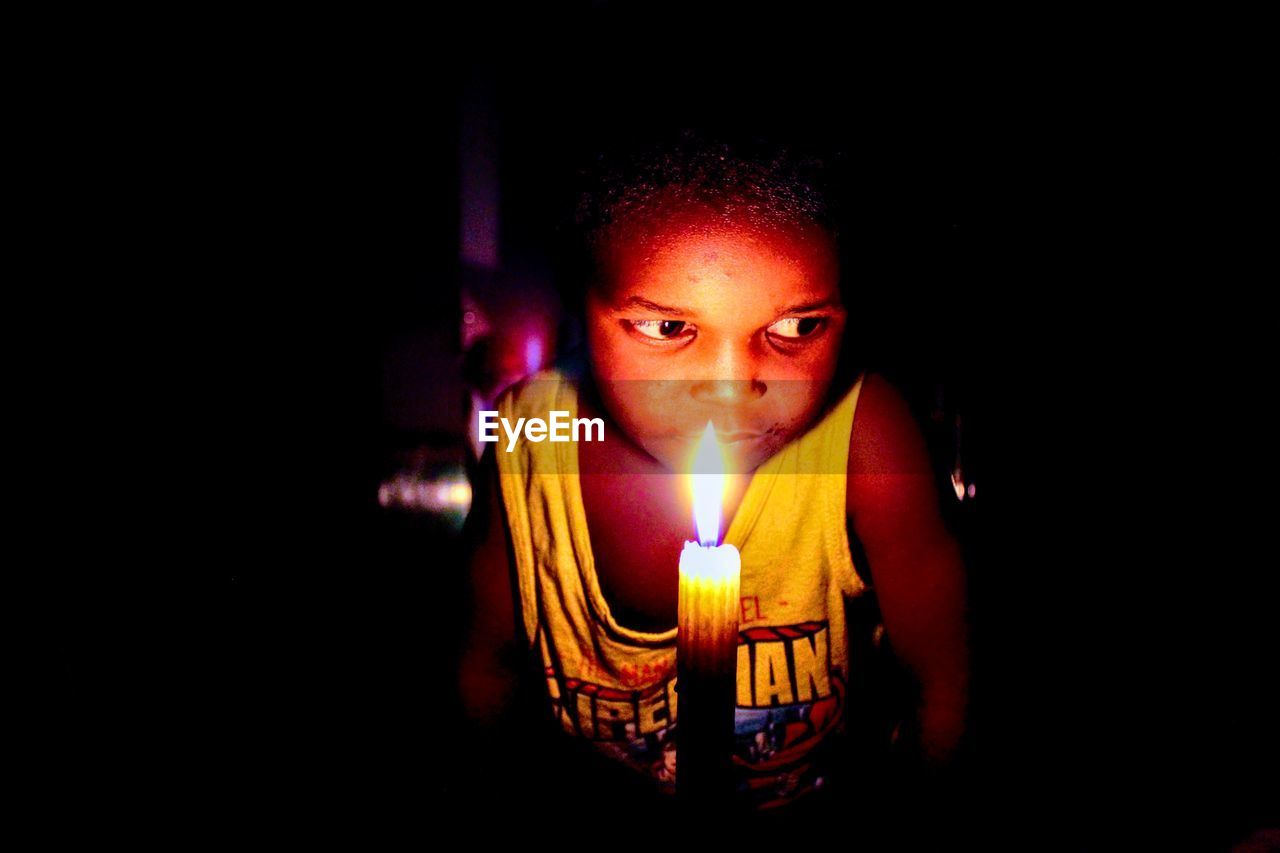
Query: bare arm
(490, 655)
(915, 563)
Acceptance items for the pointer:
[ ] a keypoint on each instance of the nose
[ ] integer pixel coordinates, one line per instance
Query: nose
(727, 392)
(731, 378)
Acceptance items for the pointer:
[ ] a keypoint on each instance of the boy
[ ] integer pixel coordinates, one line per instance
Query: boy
(713, 297)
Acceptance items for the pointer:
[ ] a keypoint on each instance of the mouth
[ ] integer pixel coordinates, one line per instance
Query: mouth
(735, 437)
(727, 437)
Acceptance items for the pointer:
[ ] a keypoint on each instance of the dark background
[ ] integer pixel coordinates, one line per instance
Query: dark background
(289, 660)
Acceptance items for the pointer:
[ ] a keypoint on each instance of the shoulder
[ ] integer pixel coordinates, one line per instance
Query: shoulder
(535, 394)
(887, 451)
(886, 436)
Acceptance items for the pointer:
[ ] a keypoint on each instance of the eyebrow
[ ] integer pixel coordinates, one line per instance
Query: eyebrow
(641, 302)
(808, 306)
(671, 310)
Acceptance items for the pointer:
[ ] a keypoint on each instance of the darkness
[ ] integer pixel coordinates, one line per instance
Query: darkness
(297, 668)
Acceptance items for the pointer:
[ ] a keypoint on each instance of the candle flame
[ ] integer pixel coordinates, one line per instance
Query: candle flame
(707, 482)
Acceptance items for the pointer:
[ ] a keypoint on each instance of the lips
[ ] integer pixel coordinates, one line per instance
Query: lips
(726, 437)
(733, 437)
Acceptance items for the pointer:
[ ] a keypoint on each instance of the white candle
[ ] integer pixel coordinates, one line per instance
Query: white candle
(707, 635)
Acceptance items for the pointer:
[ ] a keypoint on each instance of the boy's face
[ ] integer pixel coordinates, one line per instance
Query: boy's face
(720, 323)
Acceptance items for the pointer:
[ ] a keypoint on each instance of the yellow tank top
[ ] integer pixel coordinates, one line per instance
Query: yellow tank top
(615, 686)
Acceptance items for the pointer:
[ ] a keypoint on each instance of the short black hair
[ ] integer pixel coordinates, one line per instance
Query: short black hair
(773, 183)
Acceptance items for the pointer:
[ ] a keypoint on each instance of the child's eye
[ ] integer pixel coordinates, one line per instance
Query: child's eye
(660, 330)
(794, 328)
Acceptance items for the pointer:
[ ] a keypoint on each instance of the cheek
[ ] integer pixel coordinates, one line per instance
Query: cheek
(641, 406)
(820, 362)
(615, 355)
(794, 403)
(603, 340)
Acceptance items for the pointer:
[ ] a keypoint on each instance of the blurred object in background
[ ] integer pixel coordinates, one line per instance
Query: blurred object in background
(431, 481)
(465, 338)
(509, 318)
(948, 413)
(508, 332)
(943, 413)
(964, 488)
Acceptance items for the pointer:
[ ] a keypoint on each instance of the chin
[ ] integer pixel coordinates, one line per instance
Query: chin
(741, 457)
(755, 453)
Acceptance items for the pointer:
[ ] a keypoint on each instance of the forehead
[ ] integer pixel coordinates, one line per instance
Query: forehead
(686, 255)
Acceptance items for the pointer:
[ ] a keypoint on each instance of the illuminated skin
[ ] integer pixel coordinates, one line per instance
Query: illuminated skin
(743, 328)
(724, 323)
(699, 320)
